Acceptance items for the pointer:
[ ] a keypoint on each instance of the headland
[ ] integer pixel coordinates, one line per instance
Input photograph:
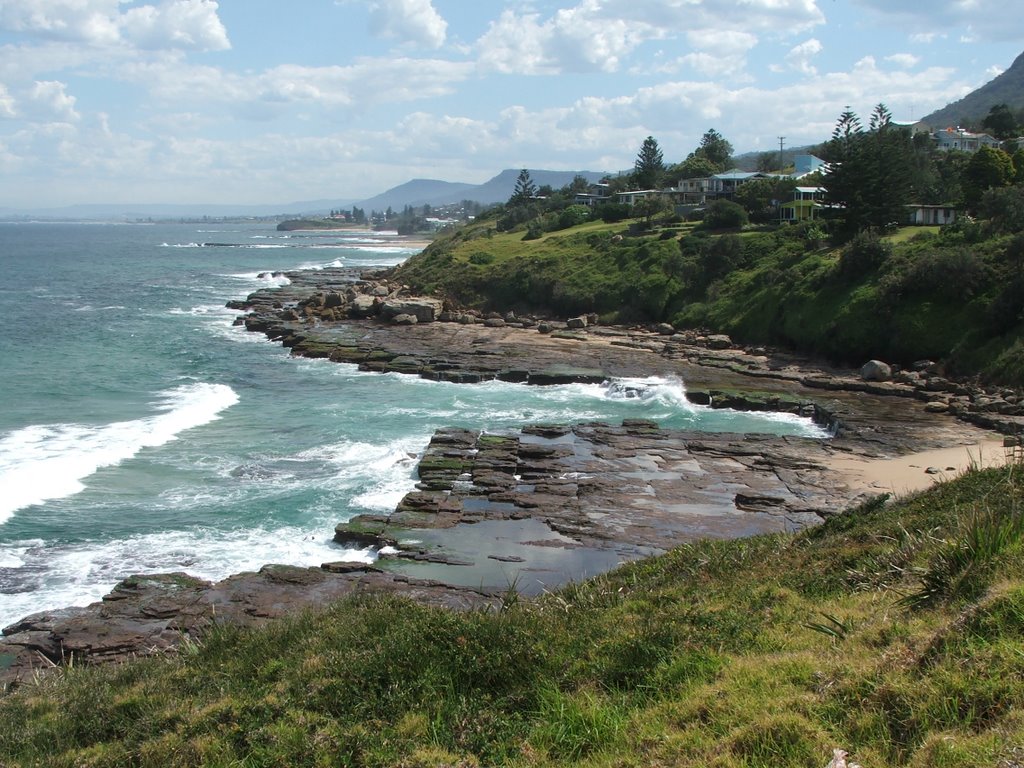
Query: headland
(533, 509)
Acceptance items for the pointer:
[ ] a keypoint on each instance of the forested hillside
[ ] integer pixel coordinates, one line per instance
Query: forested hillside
(849, 286)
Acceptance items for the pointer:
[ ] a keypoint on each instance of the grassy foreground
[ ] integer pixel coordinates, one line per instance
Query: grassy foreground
(894, 631)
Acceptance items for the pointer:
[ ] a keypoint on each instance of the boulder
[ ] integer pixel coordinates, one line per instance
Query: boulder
(494, 322)
(425, 310)
(577, 322)
(543, 327)
(467, 319)
(665, 329)
(875, 370)
(333, 299)
(718, 341)
(404, 319)
(363, 305)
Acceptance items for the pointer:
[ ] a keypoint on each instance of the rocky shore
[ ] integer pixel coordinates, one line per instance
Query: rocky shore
(546, 504)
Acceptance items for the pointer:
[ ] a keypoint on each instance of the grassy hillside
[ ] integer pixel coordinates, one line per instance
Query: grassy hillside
(894, 632)
(954, 295)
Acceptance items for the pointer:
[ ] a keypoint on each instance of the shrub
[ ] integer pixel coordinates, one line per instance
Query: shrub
(725, 214)
(533, 231)
(573, 216)
(481, 258)
(612, 212)
(865, 253)
(953, 275)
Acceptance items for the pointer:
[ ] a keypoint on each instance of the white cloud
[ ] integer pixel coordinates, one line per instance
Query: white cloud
(721, 42)
(413, 21)
(574, 40)
(799, 57)
(278, 90)
(171, 24)
(7, 106)
(186, 24)
(980, 20)
(49, 102)
(905, 60)
(597, 35)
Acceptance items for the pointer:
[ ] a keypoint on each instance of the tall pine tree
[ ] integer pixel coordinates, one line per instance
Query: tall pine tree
(870, 172)
(649, 165)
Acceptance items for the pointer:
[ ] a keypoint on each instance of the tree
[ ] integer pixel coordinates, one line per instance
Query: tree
(649, 165)
(694, 167)
(768, 162)
(715, 148)
(869, 175)
(759, 197)
(1000, 122)
(724, 214)
(650, 207)
(524, 190)
(578, 184)
(988, 169)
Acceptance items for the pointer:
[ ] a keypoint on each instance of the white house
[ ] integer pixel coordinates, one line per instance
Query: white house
(931, 214)
(963, 140)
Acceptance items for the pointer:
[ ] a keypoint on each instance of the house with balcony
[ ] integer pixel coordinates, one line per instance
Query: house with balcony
(963, 140)
(804, 206)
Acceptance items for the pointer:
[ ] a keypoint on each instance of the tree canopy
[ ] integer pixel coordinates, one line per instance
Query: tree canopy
(870, 172)
(524, 189)
(649, 165)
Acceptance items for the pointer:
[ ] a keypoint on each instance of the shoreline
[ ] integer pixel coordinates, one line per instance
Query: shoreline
(555, 502)
(919, 471)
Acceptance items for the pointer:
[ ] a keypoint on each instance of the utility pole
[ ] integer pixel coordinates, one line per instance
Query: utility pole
(782, 165)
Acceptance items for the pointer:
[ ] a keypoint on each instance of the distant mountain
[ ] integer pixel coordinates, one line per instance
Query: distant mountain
(420, 192)
(416, 193)
(1007, 88)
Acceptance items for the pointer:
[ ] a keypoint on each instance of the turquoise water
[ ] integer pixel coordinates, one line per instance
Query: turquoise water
(141, 431)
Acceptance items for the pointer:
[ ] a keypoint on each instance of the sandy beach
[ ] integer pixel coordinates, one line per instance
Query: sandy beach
(918, 471)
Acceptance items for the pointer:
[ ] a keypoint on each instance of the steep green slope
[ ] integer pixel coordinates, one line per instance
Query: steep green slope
(892, 631)
(1007, 88)
(955, 295)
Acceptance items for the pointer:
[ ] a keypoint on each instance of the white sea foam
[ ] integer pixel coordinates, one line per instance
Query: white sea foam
(379, 475)
(44, 462)
(49, 575)
(265, 278)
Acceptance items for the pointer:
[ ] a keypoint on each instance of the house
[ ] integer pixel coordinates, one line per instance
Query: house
(594, 196)
(931, 214)
(804, 205)
(726, 184)
(963, 140)
(805, 165)
(635, 196)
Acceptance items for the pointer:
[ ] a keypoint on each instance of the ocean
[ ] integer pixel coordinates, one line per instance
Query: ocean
(141, 431)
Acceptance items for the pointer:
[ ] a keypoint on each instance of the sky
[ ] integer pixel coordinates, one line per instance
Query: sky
(264, 102)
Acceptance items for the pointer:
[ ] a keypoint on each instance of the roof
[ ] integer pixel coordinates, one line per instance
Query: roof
(738, 175)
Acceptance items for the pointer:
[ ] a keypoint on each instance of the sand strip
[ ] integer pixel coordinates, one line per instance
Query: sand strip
(916, 471)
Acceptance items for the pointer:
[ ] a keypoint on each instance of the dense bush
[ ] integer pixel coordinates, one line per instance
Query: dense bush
(724, 214)
(613, 212)
(865, 253)
(573, 216)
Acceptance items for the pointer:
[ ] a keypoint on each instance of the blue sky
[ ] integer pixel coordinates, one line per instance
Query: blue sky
(253, 101)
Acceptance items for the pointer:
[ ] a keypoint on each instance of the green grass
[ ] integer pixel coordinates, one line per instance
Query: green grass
(933, 296)
(893, 631)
